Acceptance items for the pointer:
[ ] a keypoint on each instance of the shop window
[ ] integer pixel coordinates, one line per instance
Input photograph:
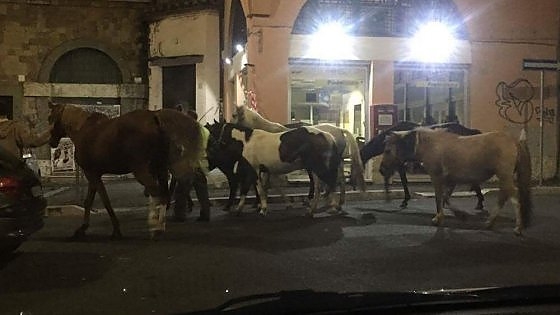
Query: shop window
(428, 95)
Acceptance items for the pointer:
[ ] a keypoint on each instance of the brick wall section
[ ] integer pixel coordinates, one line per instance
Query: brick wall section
(31, 30)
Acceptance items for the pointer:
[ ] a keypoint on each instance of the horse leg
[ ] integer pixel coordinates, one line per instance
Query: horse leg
(480, 196)
(316, 196)
(105, 198)
(311, 193)
(80, 233)
(448, 191)
(156, 206)
(243, 191)
(404, 182)
(507, 190)
(280, 190)
(342, 185)
(262, 196)
(233, 182)
(447, 195)
(439, 192)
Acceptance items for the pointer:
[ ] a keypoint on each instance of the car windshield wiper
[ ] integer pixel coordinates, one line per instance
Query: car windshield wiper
(310, 302)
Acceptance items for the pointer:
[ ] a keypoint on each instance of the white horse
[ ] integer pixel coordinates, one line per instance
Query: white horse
(345, 142)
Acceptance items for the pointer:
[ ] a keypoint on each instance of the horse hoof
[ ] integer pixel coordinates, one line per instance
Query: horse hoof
(436, 221)
(403, 205)
(489, 224)
(263, 212)
(517, 231)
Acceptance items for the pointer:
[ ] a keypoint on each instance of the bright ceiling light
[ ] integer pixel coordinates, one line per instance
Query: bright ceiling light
(239, 48)
(433, 42)
(331, 41)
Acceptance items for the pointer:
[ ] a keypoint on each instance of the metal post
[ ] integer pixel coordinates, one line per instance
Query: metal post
(541, 126)
(405, 101)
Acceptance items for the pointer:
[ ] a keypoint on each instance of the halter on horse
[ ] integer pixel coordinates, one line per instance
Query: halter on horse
(145, 143)
(376, 146)
(450, 159)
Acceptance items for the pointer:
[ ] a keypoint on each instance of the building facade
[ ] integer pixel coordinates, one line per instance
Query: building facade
(382, 58)
(276, 56)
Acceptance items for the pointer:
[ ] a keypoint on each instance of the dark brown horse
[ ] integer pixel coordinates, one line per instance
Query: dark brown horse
(145, 143)
(450, 159)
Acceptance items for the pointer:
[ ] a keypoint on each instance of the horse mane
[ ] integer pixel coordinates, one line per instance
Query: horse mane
(248, 132)
(74, 117)
(256, 120)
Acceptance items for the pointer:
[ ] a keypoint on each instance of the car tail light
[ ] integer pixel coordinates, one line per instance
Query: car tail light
(10, 186)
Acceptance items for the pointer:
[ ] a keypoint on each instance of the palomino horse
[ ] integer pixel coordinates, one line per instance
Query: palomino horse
(450, 159)
(279, 153)
(145, 143)
(345, 142)
(376, 146)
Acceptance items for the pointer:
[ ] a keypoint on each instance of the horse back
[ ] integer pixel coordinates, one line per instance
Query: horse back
(113, 145)
(468, 158)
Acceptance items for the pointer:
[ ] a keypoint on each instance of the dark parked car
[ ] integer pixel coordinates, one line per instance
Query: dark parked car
(22, 204)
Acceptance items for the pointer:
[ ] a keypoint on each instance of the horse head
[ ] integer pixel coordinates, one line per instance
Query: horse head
(399, 148)
(55, 121)
(238, 115)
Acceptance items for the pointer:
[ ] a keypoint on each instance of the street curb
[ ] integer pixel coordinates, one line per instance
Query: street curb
(72, 209)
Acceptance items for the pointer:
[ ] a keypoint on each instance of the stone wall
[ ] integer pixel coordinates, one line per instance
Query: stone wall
(35, 33)
(30, 30)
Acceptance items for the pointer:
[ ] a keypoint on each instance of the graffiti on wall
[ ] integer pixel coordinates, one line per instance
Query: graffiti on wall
(515, 103)
(548, 114)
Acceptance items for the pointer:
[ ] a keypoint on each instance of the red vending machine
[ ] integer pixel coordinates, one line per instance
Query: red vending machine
(382, 117)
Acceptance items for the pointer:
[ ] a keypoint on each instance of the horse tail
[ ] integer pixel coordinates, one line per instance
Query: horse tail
(183, 138)
(357, 167)
(523, 168)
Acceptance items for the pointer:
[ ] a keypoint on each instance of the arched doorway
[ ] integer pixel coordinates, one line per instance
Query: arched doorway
(86, 66)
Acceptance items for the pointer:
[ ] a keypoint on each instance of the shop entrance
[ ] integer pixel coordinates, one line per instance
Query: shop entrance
(334, 93)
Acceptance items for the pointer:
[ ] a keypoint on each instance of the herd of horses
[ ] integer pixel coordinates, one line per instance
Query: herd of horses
(250, 149)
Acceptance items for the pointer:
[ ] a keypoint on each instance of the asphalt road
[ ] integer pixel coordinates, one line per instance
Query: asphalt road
(374, 246)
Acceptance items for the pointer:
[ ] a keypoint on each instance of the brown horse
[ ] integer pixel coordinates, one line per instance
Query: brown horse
(450, 159)
(145, 143)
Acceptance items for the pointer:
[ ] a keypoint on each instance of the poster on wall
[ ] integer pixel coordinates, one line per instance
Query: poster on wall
(62, 157)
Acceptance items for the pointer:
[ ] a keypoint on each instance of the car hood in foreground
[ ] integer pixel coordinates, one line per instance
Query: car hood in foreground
(312, 302)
